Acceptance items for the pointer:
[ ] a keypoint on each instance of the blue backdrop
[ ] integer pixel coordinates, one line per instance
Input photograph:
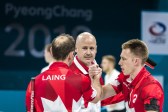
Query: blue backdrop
(26, 26)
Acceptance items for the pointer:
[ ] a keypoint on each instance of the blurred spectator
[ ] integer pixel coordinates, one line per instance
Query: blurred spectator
(48, 57)
(108, 66)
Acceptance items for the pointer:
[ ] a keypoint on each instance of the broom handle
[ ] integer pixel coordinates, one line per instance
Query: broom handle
(32, 94)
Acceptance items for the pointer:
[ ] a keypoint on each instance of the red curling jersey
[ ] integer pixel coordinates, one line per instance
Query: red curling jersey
(58, 89)
(140, 91)
(80, 68)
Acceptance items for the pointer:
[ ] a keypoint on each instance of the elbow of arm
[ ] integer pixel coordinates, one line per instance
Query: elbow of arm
(97, 98)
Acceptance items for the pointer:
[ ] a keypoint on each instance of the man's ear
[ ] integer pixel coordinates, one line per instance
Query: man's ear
(96, 49)
(51, 51)
(70, 56)
(137, 61)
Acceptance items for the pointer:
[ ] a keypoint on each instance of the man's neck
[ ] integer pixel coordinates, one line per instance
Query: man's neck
(51, 61)
(135, 73)
(85, 64)
(63, 61)
(109, 71)
(89, 64)
(81, 66)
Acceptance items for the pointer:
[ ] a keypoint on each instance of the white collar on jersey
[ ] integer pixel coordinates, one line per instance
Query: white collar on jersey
(79, 66)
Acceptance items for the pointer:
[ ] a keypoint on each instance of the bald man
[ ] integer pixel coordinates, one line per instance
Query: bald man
(86, 49)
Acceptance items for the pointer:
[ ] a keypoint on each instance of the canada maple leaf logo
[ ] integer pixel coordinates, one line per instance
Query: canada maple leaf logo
(58, 105)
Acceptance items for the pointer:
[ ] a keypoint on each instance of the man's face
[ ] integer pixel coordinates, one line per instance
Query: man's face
(105, 64)
(86, 51)
(126, 62)
(47, 56)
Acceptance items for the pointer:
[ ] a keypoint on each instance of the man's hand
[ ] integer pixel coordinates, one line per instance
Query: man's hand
(102, 92)
(95, 72)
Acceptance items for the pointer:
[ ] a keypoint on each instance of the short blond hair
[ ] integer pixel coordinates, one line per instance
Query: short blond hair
(138, 48)
(110, 58)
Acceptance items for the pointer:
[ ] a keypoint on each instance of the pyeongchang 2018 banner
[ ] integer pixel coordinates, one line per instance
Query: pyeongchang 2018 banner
(155, 31)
